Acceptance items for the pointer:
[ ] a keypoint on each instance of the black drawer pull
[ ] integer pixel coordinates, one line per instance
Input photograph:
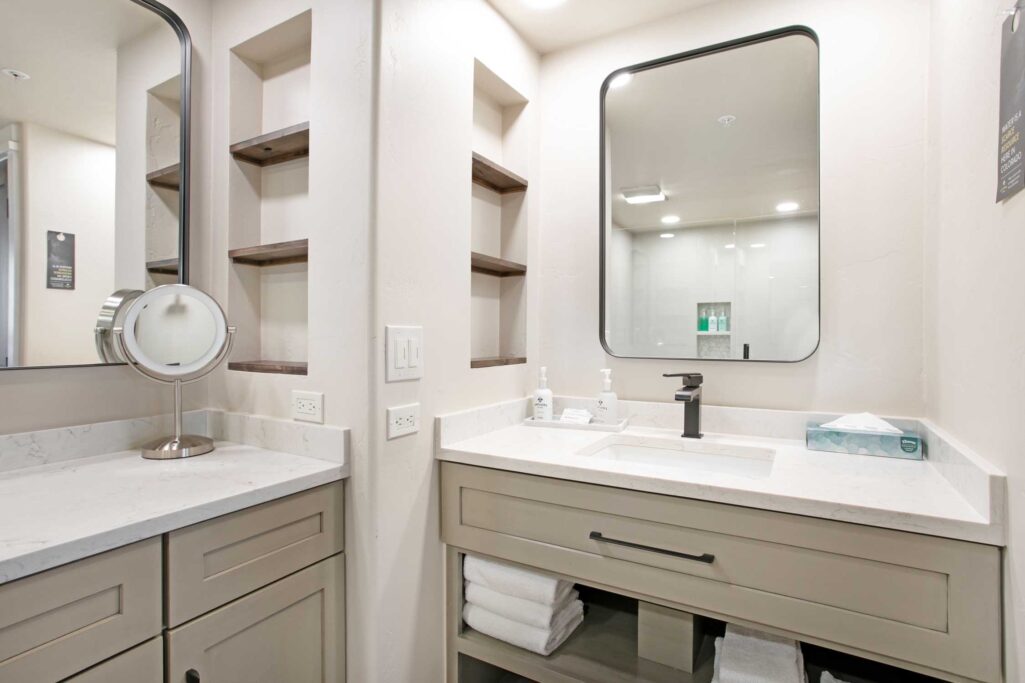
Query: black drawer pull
(704, 557)
(191, 676)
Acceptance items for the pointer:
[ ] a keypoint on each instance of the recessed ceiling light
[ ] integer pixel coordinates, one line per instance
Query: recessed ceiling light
(670, 220)
(727, 120)
(787, 207)
(644, 195)
(543, 4)
(16, 75)
(621, 80)
(729, 246)
(758, 245)
(667, 235)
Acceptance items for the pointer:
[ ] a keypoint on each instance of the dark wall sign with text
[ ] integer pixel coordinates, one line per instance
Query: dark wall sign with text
(60, 260)
(1011, 164)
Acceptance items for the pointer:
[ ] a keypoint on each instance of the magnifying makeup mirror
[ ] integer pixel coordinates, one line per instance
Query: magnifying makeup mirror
(174, 334)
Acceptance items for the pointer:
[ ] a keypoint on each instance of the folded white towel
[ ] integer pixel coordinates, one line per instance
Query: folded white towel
(718, 660)
(515, 582)
(539, 640)
(524, 611)
(750, 656)
(829, 678)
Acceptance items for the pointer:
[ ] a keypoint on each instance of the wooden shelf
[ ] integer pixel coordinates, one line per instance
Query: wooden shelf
(487, 173)
(489, 265)
(276, 147)
(280, 367)
(603, 649)
(495, 361)
(167, 266)
(169, 177)
(296, 251)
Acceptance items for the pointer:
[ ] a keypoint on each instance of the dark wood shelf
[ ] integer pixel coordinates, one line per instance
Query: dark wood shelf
(167, 266)
(296, 251)
(280, 367)
(487, 173)
(496, 361)
(276, 147)
(489, 265)
(169, 177)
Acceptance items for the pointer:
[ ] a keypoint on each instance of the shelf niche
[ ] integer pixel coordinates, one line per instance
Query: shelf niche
(163, 183)
(268, 197)
(168, 177)
(498, 229)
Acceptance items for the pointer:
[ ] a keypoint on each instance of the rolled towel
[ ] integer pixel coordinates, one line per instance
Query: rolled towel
(524, 611)
(718, 660)
(515, 582)
(750, 656)
(829, 678)
(542, 641)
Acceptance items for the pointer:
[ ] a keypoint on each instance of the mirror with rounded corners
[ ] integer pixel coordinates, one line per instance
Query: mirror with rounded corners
(710, 203)
(94, 165)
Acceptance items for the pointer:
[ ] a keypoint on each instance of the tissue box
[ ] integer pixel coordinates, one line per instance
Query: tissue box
(907, 445)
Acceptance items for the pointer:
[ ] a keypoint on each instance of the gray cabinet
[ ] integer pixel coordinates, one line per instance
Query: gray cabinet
(142, 664)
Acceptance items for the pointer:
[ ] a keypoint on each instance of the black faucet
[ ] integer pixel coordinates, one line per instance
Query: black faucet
(690, 392)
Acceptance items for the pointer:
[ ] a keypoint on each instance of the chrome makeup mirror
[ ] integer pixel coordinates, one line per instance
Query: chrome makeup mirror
(173, 334)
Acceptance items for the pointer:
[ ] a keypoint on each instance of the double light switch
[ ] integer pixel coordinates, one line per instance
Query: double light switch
(405, 352)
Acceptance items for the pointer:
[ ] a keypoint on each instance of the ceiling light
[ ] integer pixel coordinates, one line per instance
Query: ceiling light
(621, 80)
(644, 195)
(16, 75)
(670, 220)
(543, 4)
(727, 120)
(758, 245)
(667, 235)
(729, 246)
(787, 207)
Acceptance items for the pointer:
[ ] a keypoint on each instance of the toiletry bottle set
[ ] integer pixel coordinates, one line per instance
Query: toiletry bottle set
(608, 402)
(708, 321)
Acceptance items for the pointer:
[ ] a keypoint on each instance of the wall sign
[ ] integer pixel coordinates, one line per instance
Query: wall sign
(1010, 161)
(60, 260)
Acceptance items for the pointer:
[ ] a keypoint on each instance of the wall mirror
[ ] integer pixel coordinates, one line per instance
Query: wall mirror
(94, 166)
(710, 203)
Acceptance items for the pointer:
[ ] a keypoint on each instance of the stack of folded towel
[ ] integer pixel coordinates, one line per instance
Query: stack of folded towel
(523, 608)
(748, 656)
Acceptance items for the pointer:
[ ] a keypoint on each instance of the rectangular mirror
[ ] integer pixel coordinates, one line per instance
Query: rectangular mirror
(710, 203)
(94, 121)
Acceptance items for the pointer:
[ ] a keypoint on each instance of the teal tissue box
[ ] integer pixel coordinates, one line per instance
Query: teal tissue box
(907, 445)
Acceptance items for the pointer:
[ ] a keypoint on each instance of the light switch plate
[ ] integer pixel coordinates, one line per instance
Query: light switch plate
(403, 420)
(404, 352)
(308, 406)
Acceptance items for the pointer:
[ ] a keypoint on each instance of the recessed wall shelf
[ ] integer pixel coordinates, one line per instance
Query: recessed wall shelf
(167, 266)
(169, 177)
(276, 147)
(495, 361)
(280, 367)
(713, 334)
(490, 265)
(295, 251)
(487, 173)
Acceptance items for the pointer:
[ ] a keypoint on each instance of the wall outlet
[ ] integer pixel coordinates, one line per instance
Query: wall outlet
(308, 406)
(403, 420)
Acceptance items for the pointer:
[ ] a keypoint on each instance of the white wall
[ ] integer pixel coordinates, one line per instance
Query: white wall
(975, 372)
(874, 73)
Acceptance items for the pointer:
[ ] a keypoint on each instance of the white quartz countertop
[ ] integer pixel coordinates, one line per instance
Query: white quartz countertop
(906, 495)
(59, 513)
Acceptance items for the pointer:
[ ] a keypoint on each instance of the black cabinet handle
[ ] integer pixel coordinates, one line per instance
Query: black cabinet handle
(191, 676)
(704, 557)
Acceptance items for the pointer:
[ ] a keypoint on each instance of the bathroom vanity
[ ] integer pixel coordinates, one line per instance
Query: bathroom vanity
(883, 559)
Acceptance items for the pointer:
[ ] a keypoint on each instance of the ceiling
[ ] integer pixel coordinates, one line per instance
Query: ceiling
(69, 48)
(663, 128)
(577, 21)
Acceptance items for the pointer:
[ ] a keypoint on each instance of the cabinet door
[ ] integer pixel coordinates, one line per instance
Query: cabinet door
(292, 630)
(142, 664)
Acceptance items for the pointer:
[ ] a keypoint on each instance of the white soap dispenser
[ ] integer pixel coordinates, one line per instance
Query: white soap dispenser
(608, 402)
(543, 397)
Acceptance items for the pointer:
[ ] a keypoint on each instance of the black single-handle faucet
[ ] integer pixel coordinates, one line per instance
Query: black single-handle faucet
(690, 392)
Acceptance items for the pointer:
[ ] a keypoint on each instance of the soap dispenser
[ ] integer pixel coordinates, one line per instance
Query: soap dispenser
(713, 321)
(543, 397)
(722, 320)
(608, 402)
(703, 320)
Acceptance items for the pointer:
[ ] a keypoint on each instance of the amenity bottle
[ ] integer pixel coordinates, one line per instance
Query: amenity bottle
(543, 397)
(608, 402)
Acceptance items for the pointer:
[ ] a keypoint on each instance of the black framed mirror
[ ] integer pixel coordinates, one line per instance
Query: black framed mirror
(94, 167)
(710, 203)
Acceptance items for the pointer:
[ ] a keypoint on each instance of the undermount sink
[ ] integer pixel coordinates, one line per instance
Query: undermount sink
(691, 454)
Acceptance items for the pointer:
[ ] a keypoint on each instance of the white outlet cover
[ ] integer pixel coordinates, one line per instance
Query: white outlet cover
(403, 420)
(404, 346)
(308, 406)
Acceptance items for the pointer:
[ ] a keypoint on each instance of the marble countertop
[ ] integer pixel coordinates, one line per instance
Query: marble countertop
(57, 513)
(905, 495)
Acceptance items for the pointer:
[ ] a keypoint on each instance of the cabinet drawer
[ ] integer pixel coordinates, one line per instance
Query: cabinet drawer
(214, 562)
(142, 664)
(910, 599)
(292, 630)
(62, 621)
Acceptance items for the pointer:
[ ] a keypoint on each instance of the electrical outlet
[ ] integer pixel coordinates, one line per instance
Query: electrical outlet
(403, 420)
(308, 406)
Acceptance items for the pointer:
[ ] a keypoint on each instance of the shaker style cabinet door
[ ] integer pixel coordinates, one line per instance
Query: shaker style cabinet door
(142, 664)
(292, 630)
